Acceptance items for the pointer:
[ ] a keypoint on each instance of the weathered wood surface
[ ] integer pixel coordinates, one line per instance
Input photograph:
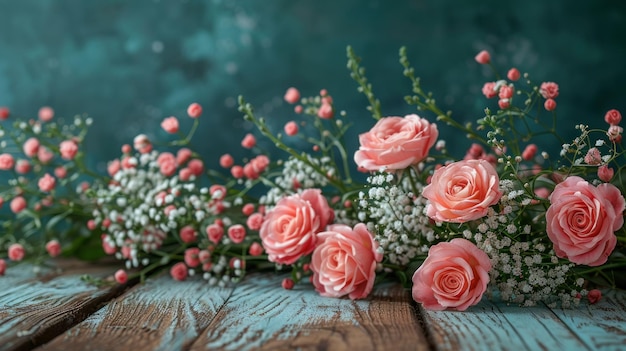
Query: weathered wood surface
(57, 311)
(35, 308)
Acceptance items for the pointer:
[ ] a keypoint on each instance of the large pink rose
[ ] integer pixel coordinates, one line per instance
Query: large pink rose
(395, 143)
(344, 261)
(454, 275)
(462, 191)
(289, 229)
(582, 220)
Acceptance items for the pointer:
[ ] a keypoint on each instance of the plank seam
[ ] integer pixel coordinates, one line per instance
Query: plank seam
(419, 314)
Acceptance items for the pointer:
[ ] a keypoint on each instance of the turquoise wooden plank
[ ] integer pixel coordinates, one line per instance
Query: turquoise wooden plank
(498, 326)
(260, 315)
(161, 314)
(601, 326)
(36, 310)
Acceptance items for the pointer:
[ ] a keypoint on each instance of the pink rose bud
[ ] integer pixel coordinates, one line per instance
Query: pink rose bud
(254, 221)
(68, 149)
(605, 173)
(255, 249)
(298, 109)
(45, 114)
(60, 172)
(594, 296)
(489, 90)
(22, 166)
(179, 271)
(44, 155)
(91, 224)
(613, 117)
(291, 128)
(53, 247)
(192, 258)
(121, 276)
(549, 105)
(4, 113)
(31, 146)
(18, 204)
(292, 95)
(529, 152)
(126, 149)
(237, 233)
(185, 174)
(504, 103)
(113, 167)
(196, 167)
(3, 266)
(142, 144)
(170, 125)
(513, 74)
(183, 155)
(483, 57)
(506, 92)
(218, 192)
(237, 172)
(46, 183)
(226, 161)
(249, 141)
(6, 162)
(204, 256)
(247, 209)
(194, 110)
(16, 252)
(325, 111)
(593, 157)
(615, 133)
(215, 232)
(188, 234)
(287, 283)
(549, 90)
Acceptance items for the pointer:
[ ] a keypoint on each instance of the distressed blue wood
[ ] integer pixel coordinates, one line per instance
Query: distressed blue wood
(37, 309)
(262, 315)
(498, 326)
(161, 314)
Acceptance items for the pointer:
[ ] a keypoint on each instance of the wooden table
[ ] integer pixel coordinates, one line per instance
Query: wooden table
(59, 311)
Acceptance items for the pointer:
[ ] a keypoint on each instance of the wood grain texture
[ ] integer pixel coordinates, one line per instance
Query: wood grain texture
(161, 314)
(260, 315)
(36, 309)
(498, 326)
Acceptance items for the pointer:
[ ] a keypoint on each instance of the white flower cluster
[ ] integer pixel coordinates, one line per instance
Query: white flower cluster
(524, 265)
(141, 207)
(297, 174)
(394, 212)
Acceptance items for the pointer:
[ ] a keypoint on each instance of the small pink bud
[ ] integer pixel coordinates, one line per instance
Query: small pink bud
(45, 114)
(325, 111)
(121, 276)
(68, 149)
(192, 257)
(255, 221)
(91, 224)
(237, 172)
(549, 105)
(529, 152)
(31, 146)
(22, 166)
(196, 167)
(291, 128)
(226, 161)
(179, 271)
(183, 155)
(287, 283)
(215, 232)
(126, 149)
(3, 266)
(298, 109)
(483, 57)
(292, 95)
(6, 162)
(504, 103)
(18, 204)
(605, 173)
(194, 110)
(489, 90)
(513, 74)
(4, 113)
(170, 125)
(188, 234)
(237, 233)
(60, 172)
(613, 117)
(549, 90)
(255, 249)
(506, 92)
(247, 209)
(594, 296)
(16, 252)
(249, 141)
(46, 183)
(53, 247)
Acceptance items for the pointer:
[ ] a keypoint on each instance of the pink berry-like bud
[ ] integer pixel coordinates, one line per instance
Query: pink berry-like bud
(529, 152)
(292, 95)
(194, 110)
(513, 74)
(504, 103)
(298, 109)
(170, 125)
(605, 173)
(287, 283)
(53, 247)
(325, 111)
(4, 113)
(255, 249)
(549, 105)
(483, 57)
(237, 233)
(45, 114)
(249, 141)
(179, 271)
(121, 276)
(291, 128)
(18, 204)
(6, 162)
(594, 296)
(16, 252)
(613, 117)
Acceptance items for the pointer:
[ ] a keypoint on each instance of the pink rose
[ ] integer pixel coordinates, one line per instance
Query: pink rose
(549, 90)
(613, 117)
(194, 110)
(18, 204)
(489, 90)
(16, 252)
(53, 247)
(483, 57)
(289, 229)
(68, 149)
(46, 183)
(214, 232)
(183, 155)
(170, 125)
(31, 146)
(237, 233)
(45, 114)
(6, 162)
(462, 191)
(582, 218)
(344, 261)
(44, 155)
(188, 234)
(454, 275)
(142, 144)
(179, 271)
(22, 166)
(395, 143)
(292, 95)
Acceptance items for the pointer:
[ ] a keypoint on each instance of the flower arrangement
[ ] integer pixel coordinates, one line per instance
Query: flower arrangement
(505, 217)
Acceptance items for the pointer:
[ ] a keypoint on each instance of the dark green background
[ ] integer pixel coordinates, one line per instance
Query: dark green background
(129, 64)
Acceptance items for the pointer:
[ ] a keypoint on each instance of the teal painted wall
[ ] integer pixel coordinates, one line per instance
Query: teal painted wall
(129, 64)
